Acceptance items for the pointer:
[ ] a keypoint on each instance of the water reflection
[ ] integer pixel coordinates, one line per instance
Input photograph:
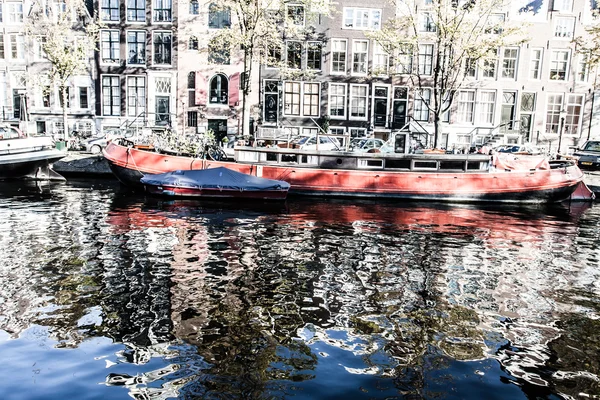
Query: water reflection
(315, 299)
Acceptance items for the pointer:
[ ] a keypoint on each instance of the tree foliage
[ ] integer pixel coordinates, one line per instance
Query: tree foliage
(465, 34)
(588, 45)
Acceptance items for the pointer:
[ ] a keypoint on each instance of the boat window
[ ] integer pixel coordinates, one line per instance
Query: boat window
(422, 164)
(476, 165)
(397, 164)
(367, 163)
(455, 165)
(271, 156)
(289, 158)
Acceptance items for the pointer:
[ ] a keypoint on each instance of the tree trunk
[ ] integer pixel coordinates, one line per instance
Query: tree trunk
(64, 95)
(245, 89)
(437, 129)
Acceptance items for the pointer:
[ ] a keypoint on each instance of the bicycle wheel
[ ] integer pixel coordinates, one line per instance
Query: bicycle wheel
(217, 154)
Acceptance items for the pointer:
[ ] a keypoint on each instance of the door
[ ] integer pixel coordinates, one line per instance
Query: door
(400, 105)
(507, 114)
(380, 106)
(162, 111)
(218, 128)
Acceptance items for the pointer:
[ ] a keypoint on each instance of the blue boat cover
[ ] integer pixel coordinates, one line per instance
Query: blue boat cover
(213, 178)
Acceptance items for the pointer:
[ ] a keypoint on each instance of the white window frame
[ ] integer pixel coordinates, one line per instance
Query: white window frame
(424, 56)
(334, 51)
(361, 18)
(102, 94)
(138, 108)
(535, 64)
(554, 112)
(513, 60)
(111, 48)
(555, 61)
(154, 8)
(314, 43)
(381, 61)
(154, 33)
(564, 28)
(136, 21)
(465, 107)
(303, 12)
(583, 69)
(354, 97)
(419, 98)
(18, 41)
(426, 22)
(301, 44)
(364, 53)
(570, 104)
(127, 42)
(486, 107)
(332, 95)
(563, 5)
(405, 61)
(14, 12)
(316, 96)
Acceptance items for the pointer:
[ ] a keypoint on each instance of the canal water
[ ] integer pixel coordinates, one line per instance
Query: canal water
(110, 295)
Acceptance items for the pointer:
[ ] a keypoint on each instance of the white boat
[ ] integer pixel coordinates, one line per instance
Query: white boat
(27, 157)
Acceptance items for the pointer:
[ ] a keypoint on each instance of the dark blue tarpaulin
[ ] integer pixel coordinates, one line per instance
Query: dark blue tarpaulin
(214, 178)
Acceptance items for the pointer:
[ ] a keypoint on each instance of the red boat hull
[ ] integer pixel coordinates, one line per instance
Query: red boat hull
(528, 186)
(177, 191)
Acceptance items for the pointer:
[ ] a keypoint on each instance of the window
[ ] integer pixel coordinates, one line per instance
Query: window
(494, 24)
(218, 17)
(427, 24)
(162, 107)
(362, 18)
(563, 5)
(425, 59)
(136, 10)
(486, 106)
(470, 67)
(17, 47)
(191, 86)
(2, 52)
(536, 64)
(509, 63)
(109, 10)
(553, 112)
(219, 90)
(162, 48)
(294, 55)
(358, 101)
(46, 97)
(14, 12)
(338, 56)
(559, 62)
(489, 65)
(136, 47)
(291, 98)
(422, 99)
(466, 106)
(111, 96)
(313, 55)
(83, 97)
(136, 96)
(193, 43)
(192, 119)
(273, 56)
(310, 100)
(563, 27)
(337, 100)
(583, 68)
(574, 112)
(295, 13)
(381, 61)
(194, 7)
(218, 53)
(110, 46)
(360, 50)
(162, 10)
(404, 60)
(38, 49)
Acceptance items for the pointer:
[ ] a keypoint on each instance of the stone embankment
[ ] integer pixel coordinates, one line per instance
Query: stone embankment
(78, 164)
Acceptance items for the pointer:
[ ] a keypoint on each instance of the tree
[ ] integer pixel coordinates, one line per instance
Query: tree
(257, 30)
(67, 37)
(589, 46)
(464, 34)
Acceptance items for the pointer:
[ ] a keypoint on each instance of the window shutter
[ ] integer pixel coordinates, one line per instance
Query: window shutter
(234, 89)
(200, 89)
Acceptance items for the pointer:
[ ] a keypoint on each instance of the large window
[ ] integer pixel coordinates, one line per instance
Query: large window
(495, 24)
(2, 51)
(194, 7)
(337, 100)
(291, 98)
(14, 12)
(536, 64)
(422, 99)
(404, 60)
(362, 18)
(564, 27)
(509, 63)
(466, 106)
(294, 54)
(136, 96)
(486, 106)
(109, 10)
(554, 106)
(219, 90)
(313, 55)
(162, 11)
(425, 59)
(574, 111)
(83, 97)
(338, 56)
(562, 5)
(559, 63)
(162, 48)
(110, 46)
(218, 17)
(358, 101)
(295, 14)
(381, 61)
(17, 47)
(360, 50)
(219, 53)
(427, 24)
(136, 10)
(489, 66)
(136, 47)
(111, 96)
(310, 99)
(583, 68)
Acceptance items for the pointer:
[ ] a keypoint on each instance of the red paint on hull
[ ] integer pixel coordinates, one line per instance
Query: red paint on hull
(499, 186)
